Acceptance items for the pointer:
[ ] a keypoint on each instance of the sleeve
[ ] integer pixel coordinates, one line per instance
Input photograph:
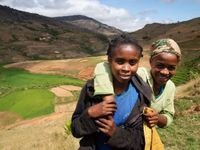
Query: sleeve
(103, 79)
(82, 124)
(168, 108)
(142, 73)
(128, 138)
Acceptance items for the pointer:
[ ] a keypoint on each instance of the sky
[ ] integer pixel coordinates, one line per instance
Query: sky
(127, 15)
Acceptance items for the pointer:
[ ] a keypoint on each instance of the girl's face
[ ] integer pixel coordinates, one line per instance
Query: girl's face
(124, 62)
(163, 67)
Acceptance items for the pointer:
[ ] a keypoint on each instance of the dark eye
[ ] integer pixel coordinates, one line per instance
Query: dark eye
(171, 68)
(120, 61)
(160, 66)
(133, 62)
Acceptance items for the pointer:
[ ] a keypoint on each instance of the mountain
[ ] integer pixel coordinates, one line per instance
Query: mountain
(27, 36)
(91, 24)
(186, 33)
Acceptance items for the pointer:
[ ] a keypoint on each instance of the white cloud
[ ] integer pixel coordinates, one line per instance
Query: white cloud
(119, 18)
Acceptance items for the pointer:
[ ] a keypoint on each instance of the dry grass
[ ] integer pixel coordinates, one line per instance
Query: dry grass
(67, 67)
(191, 89)
(41, 135)
(47, 132)
(7, 118)
(77, 68)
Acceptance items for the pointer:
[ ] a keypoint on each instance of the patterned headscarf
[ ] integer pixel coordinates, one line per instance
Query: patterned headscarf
(165, 46)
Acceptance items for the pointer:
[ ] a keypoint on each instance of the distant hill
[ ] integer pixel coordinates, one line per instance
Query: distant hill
(27, 36)
(91, 24)
(186, 33)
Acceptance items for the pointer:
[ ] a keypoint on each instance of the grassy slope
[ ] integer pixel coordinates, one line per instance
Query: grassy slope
(28, 103)
(189, 68)
(26, 36)
(13, 79)
(182, 134)
(27, 94)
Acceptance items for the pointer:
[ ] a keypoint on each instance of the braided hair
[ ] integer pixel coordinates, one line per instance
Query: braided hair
(122, 39)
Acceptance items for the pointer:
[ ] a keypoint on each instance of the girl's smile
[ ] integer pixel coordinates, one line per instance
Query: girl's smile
(163, 67)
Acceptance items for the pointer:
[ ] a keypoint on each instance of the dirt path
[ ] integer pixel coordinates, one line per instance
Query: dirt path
(68, 67)
(69, 109)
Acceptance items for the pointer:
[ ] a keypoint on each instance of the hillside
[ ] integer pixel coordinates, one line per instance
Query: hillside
(186, 33)
(91, 24)
(27, 36)
(47, 132)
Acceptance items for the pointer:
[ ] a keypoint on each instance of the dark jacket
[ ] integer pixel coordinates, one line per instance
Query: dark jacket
(129, 136)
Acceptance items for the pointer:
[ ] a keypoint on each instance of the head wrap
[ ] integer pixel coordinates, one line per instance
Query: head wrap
(165, 46)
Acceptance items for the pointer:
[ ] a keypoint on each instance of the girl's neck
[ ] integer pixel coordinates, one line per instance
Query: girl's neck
(156, 88)
(119, 87)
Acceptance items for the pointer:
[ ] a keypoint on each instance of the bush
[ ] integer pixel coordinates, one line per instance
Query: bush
(198, 36)
(67, 127)
(36, 39)
(146, 38)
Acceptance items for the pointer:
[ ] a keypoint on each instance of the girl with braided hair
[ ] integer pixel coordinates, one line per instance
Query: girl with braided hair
(114, 124)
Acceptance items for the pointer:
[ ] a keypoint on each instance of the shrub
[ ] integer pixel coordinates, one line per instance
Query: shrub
(146, 38)
(36, 39)
(198, 36)
(67, 127)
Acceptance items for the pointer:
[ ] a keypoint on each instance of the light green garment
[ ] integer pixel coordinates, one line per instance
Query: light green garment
(164, 104)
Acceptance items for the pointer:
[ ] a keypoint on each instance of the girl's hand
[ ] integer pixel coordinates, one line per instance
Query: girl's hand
(151, 118)
(154, 119)
(106, 107)
(106, 125)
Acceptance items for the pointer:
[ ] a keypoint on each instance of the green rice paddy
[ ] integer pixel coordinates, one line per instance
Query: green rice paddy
(28, 103)
(28, 94)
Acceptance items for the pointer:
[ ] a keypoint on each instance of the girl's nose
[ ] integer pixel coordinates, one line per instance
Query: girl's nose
(126, 67)
(165, 71)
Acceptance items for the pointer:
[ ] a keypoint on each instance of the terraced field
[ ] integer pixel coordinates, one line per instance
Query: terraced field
(189, 70)
(24, 95)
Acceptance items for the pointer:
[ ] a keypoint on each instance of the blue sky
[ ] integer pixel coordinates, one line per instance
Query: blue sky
(175, 10)
(127, 15)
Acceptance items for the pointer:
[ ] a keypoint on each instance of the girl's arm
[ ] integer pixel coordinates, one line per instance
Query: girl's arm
(82, 123)
(165, 116)
(122, 138)
(85, 114)
(168, 105)
(103, 79)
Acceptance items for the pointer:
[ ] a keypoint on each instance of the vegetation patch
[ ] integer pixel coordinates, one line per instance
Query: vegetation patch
(187, 71)
(28, 103)
(7, 118)
(28, 95)
(63, 100)
(183, 133)
(14, 79)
